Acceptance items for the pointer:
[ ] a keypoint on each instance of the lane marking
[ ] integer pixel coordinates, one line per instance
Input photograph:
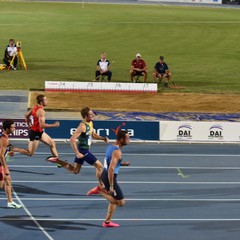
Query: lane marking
(132, 167)
(31, 216)
(154, 154)
(135, 199)
(180, 173)
(126, 219)
(125, 182)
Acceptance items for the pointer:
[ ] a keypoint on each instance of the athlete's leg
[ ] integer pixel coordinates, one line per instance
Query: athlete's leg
(70, 167)
(99, 168)
(8, 187)
(32, 147)
(111, 210)
(75, 169)
(46, 139)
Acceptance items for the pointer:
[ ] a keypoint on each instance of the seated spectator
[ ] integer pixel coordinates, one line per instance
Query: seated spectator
(103, 66)
(10, 50)
(138, 68)
(161, 72)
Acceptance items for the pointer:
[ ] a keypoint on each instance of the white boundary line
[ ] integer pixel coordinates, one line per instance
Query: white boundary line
(127, 219)
(135, 199)
(31, 217)
(153, 154)
(135, 167)
(128, 182)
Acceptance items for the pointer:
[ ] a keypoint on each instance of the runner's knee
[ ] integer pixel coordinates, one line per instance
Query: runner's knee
(120, 203)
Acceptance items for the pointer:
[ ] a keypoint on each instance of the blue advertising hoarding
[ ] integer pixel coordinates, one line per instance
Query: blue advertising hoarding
(137, 129)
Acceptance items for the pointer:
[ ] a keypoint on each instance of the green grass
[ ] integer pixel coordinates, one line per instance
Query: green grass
(63, 41)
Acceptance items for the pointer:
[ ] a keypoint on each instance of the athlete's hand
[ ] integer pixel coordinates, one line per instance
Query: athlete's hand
(106, 140)
(111, 190)
(57, 124)
(11, 153)
(101, 185)
(79, 155)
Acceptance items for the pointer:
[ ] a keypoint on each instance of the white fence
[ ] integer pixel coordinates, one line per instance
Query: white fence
(188, 1)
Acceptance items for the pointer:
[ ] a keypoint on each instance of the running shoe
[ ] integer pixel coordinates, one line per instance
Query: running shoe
(110, 224)
(93, 191)
(13, 205)
(52, 159)
(59, 165)
(125, 164)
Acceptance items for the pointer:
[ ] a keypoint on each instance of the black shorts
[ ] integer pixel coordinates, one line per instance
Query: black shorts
(138, 73)
(33, 135)
(117, 190)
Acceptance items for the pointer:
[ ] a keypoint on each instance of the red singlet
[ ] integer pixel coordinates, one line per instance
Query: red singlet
(36, 126)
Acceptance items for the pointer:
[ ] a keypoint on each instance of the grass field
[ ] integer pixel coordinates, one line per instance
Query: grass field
(63, 41)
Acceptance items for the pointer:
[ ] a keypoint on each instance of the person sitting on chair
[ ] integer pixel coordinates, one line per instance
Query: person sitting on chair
(9, 53)
(161, 71)
(138, 68)
(103, 66)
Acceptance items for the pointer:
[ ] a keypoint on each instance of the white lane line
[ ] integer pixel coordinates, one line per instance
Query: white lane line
(135, 167)
(136, 199)
(31, 217)
(128, 182)
(126, 219)
(156, 154)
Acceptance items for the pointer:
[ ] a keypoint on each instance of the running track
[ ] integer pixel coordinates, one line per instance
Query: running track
(173, 191)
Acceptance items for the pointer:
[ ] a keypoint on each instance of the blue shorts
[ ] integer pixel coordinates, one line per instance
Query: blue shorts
(88, 157)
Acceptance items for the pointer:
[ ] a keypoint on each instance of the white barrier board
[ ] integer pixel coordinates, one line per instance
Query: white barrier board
(187, 1)
(58, 86)
(199, 131)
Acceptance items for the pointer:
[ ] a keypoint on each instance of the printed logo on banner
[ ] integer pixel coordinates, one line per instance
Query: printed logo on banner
(110, 128)
(21, 130)
(216, 132)
(184, 132)
(106, 131)
(122, 127)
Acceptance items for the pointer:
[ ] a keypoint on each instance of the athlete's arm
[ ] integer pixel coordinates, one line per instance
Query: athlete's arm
(41, 118)
(3, 146)
(98, 137)
(81, 128)
(27, 118)
(116, 156)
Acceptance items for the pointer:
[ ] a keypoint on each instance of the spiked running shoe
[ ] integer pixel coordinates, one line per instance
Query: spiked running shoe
(93, 191)
(110, 224)
(13, 205)
(52, 159)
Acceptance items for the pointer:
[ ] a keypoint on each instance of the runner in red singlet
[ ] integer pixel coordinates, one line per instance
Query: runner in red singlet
(35, 119)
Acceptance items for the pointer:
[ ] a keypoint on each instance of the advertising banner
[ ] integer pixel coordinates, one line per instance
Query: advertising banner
(199, 131)
(139, 130)
(232, 2)
(21, 131)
